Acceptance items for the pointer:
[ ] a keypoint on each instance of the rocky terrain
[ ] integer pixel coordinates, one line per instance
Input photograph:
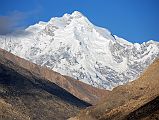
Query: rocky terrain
(71, 45)
(137, 100)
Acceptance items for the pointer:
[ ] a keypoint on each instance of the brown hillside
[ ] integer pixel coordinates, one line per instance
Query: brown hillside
(24, 96)
(138, 100)
(79, 89)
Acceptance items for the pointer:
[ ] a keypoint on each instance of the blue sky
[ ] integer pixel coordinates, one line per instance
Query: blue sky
(134, 20)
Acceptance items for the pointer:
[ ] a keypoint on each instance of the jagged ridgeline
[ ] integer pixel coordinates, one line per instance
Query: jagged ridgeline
(73, 46)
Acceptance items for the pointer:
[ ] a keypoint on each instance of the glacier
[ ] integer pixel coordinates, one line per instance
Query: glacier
(73, 46)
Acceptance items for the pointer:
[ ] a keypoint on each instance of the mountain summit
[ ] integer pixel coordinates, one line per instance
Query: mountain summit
(73, 46)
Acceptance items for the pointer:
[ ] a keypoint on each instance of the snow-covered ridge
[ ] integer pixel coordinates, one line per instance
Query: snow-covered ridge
(73, 46)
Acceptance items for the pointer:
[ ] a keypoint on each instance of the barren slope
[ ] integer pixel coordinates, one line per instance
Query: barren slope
(80, 90)
(25, 96)
(136, 100)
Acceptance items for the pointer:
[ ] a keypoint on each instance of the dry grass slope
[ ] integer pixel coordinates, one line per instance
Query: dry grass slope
(138, 100)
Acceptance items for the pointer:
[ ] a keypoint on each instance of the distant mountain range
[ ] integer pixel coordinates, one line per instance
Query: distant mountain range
(73, 46)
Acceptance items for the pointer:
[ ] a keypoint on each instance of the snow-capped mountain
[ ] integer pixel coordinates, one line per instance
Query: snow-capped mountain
(73, 46)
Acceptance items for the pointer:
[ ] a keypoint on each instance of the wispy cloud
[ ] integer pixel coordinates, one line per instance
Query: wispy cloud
(11, 22)
(16, 20)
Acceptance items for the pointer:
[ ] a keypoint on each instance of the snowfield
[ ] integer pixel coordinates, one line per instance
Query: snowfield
(73, 46)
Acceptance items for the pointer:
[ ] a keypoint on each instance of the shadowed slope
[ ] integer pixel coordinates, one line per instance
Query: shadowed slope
(80, 90)
(26, 96)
